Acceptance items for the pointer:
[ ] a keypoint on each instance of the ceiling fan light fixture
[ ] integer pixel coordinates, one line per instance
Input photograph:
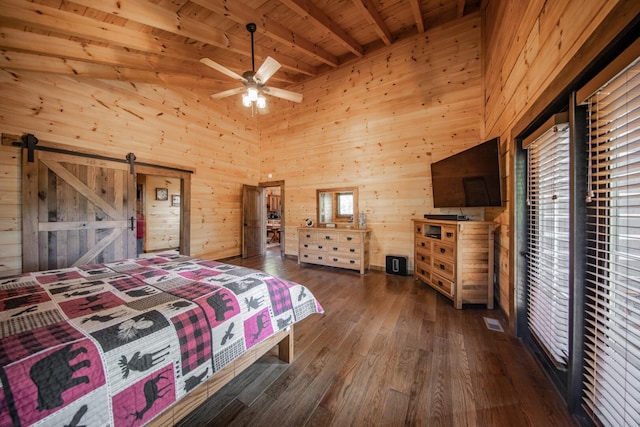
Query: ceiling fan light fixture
(252, 93)
(254, 90)
(261, 102)
(245, 100)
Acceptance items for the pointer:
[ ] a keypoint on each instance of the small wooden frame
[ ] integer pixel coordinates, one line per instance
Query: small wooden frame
(175, 200)
(162, 194)
(172, 415)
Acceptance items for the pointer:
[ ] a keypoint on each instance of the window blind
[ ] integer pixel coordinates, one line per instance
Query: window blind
(548, 242)
(612, 333)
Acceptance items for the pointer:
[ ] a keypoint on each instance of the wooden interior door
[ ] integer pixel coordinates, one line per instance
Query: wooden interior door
(254, 221)
(76, 210)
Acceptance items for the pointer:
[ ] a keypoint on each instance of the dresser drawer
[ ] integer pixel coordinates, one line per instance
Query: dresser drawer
(346, 237)
(444, 251)
(423, 243)
(327, 236)
(442, 284)
(311, 256)
(344, 249)
(423, 271)
(423, 256)
(448, 234)
(444, 266)
(313, 246)
(308, 236)
(343, 261)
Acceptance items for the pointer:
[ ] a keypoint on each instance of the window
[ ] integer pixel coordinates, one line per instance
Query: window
(612, 336)
(345, 204)
(548, 229)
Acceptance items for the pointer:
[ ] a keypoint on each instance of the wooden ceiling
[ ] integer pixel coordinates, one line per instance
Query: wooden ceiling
(162, 41)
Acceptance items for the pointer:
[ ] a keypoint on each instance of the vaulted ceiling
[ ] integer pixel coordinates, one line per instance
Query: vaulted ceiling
(162, 41)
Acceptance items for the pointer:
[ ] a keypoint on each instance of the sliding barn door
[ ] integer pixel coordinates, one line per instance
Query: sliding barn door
(76, 210)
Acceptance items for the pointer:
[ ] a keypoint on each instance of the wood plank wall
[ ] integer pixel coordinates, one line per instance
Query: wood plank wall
(162, 218)
(378, 123)
(173, 126)
(526, 45)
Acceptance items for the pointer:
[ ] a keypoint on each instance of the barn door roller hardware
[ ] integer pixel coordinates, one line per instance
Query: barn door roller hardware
(131, 158)
(29, 142)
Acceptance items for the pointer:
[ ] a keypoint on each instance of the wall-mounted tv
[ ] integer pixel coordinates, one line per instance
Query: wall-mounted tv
(468, 179)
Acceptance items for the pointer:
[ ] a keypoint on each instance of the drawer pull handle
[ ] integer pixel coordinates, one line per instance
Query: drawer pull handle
(442, 250)
(349, 238)
(335, 249)
(308, 236)
(327, 237)
(352, 262)
(449, 234)
(442, 267)
(422, 258)
(418, 230)
(440, 283)
(319, 246)
(422, 244)
(422, 272)
(335, 260)
(319, 257)
(352, 250)
(306, 256)
(306, 246)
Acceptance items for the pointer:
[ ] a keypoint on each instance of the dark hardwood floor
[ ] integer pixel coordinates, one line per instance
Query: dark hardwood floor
(388, 352)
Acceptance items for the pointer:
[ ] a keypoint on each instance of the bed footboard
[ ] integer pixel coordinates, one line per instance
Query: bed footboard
(283, 339)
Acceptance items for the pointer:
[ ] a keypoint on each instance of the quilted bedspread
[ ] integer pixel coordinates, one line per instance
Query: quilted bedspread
(117, 343)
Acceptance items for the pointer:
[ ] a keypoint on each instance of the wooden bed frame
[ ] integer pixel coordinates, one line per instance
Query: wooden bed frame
(172, 415)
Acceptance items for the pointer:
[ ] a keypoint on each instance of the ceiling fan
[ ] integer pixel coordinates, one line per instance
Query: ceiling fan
(254, 81)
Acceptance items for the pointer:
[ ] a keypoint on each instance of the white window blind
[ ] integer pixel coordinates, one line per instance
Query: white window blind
(548, 242)
(612, 318)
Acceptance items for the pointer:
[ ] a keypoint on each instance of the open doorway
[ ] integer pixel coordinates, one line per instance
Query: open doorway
(274, 227)
(158, 214)
(274, 216)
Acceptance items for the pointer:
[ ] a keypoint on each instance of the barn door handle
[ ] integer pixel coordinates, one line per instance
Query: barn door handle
(132, 219)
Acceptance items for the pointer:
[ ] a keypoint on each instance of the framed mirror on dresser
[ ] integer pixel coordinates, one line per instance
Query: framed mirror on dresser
(336, 240)
(337, 207)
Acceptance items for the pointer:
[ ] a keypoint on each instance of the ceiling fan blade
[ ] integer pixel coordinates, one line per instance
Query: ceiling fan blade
(284, 94)
(222, 69)
(267, 69)
(229, 92)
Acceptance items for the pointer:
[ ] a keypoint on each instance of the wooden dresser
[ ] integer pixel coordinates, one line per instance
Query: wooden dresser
(335, 247)
(456, 259)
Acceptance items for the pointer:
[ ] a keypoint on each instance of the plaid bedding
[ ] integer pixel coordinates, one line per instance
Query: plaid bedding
(116, 344)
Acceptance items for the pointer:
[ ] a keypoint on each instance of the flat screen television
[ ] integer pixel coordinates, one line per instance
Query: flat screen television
(468, 179)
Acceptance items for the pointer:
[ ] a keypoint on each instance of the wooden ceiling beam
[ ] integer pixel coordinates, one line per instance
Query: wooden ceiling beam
(417, 15)
(158, 58)
(47, 18)
(18, 40)
(21, 61)
(460, 8)
(368, 9)
(242, 14)
(314, 15)
(156, 16)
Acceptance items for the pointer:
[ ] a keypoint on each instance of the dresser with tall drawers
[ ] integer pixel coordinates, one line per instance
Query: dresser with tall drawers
(335, 247)
(456, 259)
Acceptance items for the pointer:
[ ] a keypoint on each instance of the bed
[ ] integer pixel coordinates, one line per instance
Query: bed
(129, 342)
